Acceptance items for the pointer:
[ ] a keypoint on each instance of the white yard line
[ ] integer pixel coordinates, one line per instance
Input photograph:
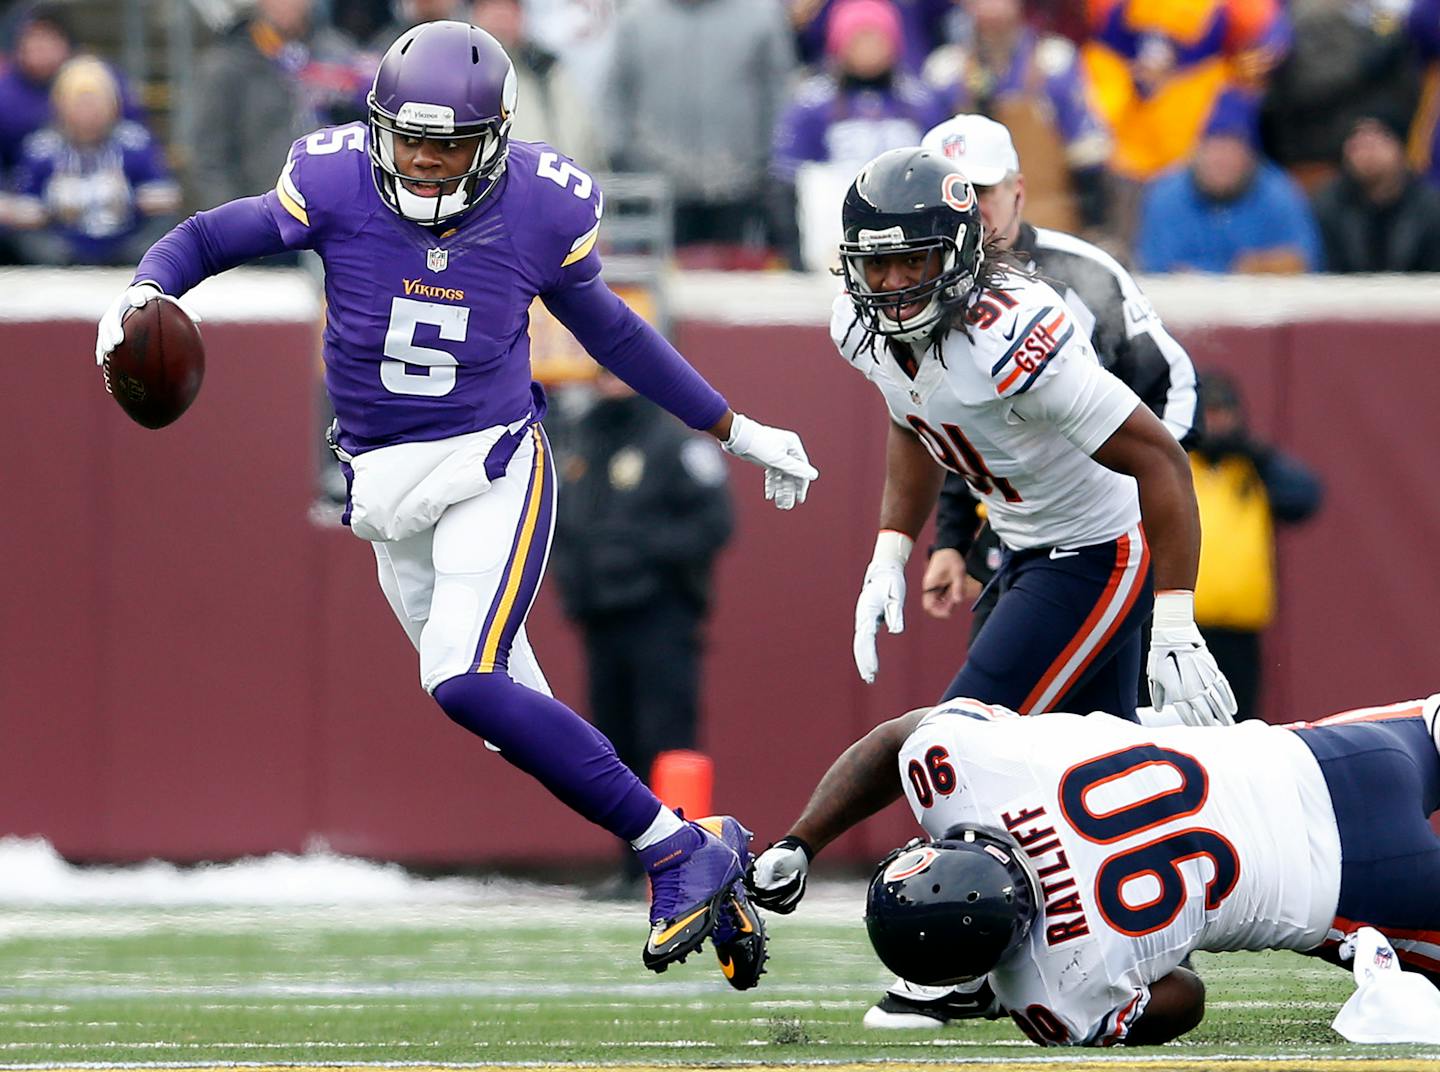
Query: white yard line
(1298, 1060)
(659, 991)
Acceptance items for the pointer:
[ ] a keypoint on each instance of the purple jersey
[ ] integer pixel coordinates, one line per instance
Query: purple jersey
(849, 125)
(1049, 64)
(1424, 22)
(425, 333)
(89, 193)
(25, 108)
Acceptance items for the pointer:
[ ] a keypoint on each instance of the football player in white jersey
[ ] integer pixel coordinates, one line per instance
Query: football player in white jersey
(985, 372)
(1073, 863)
(1129, 339)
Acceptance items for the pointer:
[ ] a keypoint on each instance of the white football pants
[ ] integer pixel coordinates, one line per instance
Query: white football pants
(462, 589)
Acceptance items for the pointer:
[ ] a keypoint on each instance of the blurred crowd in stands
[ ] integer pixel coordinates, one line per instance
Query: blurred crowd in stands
(1182, 135)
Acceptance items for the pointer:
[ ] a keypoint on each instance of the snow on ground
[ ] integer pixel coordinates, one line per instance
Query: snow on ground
(34, 876)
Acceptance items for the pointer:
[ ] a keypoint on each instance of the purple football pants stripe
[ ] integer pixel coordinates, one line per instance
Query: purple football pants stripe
(529, 552)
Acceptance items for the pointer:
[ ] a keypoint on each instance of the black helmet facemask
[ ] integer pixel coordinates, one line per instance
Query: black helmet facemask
(910, 202)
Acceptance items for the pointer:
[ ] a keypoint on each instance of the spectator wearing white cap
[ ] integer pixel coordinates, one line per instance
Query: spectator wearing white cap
(1128, 337)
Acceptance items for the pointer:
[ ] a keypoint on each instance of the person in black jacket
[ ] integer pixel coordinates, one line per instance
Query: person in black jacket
(644, 509)
(1378, 216)
(1128, 337)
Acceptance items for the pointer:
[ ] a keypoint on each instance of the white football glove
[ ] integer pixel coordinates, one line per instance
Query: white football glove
(788, 471)
(882, 596)
(1182, 672)
(776, 878)
(111, 332)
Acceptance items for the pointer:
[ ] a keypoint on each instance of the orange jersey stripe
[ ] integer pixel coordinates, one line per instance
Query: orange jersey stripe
(1121, 1028)
(1008, 380)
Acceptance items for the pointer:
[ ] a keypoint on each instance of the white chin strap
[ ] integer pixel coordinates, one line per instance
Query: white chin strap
(422, 209)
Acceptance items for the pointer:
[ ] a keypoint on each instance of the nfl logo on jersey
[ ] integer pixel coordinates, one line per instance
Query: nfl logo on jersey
(437, 259)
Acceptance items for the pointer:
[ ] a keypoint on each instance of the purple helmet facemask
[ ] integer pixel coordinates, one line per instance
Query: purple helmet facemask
(447, 81)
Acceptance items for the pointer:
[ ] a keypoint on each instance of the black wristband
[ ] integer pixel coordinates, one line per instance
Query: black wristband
(790, 841)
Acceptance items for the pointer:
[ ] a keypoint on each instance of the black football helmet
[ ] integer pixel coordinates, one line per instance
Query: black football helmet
(911, 201)
(943, 911)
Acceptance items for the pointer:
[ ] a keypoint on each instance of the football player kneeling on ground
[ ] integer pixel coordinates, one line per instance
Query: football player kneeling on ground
(1072, 863)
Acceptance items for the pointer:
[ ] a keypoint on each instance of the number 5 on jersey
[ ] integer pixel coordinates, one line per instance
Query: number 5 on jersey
(405, 354)
(560, 172)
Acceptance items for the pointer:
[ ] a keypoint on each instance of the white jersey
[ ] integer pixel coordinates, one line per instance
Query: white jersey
(1016, 409)
(1148, 843)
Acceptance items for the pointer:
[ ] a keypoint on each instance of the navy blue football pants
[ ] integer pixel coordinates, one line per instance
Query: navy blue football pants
(1065, 631)
(1383, 772)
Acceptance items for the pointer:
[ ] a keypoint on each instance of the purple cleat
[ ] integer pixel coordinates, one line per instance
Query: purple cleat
(739, 935)
(691, 874)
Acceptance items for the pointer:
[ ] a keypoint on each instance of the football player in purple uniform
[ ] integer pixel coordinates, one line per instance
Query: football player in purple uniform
(437, 231)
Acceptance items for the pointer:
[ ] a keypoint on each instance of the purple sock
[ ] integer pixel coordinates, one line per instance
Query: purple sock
(554, 745)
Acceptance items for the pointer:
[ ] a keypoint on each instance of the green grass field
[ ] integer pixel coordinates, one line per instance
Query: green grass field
(533, 976)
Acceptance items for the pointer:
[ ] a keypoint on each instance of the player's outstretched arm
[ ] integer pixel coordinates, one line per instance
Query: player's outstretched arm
(1182, 672)
(1177, 1005)
(206, 244)
(857, 785)
(617, 337)
(912, 484)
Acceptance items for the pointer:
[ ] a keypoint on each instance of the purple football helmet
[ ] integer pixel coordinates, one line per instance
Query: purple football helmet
(448, 81)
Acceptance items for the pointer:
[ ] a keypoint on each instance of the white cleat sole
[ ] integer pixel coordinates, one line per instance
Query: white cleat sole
(878, 1018)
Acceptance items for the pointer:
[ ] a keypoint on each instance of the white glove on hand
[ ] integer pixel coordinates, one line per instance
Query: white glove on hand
(111, 332)
(882, 595)
(776, 878)
(1182, 672)
(788, 471)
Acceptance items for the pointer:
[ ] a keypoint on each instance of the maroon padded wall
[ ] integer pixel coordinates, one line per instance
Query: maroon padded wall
(192, 669)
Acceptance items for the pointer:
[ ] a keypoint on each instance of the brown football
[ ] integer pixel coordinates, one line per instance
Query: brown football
(155, 373)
